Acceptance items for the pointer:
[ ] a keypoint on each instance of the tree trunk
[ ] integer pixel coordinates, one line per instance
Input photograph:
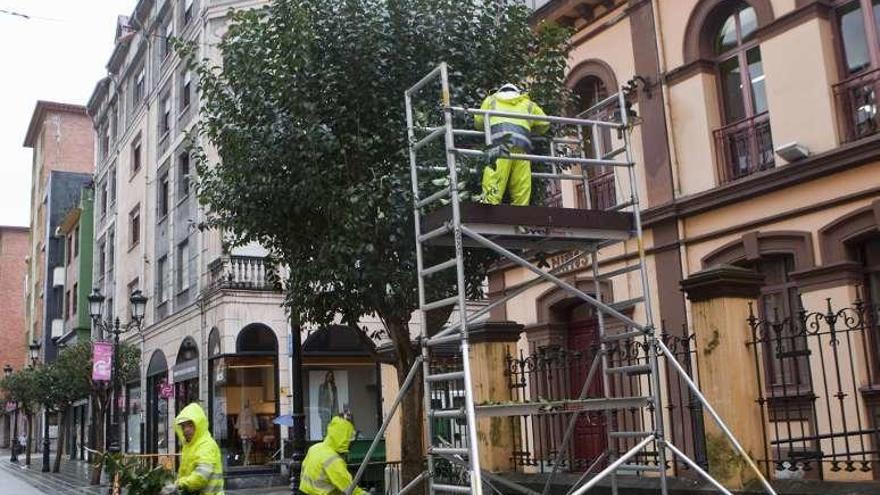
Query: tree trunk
(98, 419)
(62, 432)
(30, 436)
(412, 452)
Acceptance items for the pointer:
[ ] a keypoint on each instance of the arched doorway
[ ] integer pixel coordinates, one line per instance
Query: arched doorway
(186, 374)
(244, 398)
(158, 393)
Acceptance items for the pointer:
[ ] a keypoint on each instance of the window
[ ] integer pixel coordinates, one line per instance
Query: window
(787, 364)
(167, 33)
(76, 241)
(744, 143)
(163, 197)
(136, 157)
(67, 305)
(102, 260)
(102, 191)
(187, 11)
(139, 86)
(870, 259)
(111, 252)
(111, 184)
(104, 148)
(165, 117)
(162, 279)
(182, 268)
(69, 251)
(601, 191)
(185, 91)
(183, 177)
(858, 26)
(73, 299)
(134, 226)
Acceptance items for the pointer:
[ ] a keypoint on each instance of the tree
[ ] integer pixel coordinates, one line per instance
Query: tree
(306, 114)
(22, 389)
(100, 392)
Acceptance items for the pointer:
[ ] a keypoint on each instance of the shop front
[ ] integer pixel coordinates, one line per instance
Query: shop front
(133, 418)
(76, 435)
(341, 376)
(186, 375)
(159, 391)
(244, 401)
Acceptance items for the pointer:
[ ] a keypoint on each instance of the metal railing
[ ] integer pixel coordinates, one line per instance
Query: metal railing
(744, 148)
(818, 391)
(557, 373)
(856, 99)
(241, 272)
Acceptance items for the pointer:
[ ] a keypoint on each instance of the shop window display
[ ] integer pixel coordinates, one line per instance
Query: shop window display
(244, 403)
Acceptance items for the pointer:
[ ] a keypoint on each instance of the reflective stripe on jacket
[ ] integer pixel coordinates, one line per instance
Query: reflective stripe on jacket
(201, 466)
(511, 129)
(324, 471)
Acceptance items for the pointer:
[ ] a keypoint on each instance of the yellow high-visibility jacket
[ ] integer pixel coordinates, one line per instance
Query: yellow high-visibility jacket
(201, 466)
(324, 471)
(515, 130)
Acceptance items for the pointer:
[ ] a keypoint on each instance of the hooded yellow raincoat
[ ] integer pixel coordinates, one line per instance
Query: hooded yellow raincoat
(324, 471)
(201, 467)
(515, 133)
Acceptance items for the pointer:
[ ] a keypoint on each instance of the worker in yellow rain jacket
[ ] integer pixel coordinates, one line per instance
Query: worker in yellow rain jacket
(514, 134)
(201, 467)
(324, 471)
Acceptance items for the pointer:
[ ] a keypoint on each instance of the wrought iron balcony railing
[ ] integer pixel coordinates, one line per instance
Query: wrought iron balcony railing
(744, 148)
(856, 99)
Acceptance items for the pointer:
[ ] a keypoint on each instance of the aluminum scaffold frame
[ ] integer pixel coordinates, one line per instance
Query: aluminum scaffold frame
(504, 240)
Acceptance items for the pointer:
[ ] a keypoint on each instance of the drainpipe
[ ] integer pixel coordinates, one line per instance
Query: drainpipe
(667, 111)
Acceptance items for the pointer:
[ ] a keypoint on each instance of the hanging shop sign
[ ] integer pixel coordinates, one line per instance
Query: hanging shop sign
(166, 390)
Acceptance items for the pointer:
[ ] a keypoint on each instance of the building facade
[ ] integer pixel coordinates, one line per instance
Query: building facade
(757, 150)
(14, 244)
(215, 332)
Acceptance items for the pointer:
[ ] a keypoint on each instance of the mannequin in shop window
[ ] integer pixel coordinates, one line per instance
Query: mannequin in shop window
(328, 401)
(247, 430)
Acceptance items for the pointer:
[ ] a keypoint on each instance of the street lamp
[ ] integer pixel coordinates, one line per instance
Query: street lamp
(34, 349)
(13, 445)
(138, 308)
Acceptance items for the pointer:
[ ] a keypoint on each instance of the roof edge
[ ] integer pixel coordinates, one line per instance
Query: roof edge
(41, 109)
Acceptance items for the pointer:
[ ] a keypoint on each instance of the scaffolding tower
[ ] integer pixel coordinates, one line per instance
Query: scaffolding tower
(519, 234)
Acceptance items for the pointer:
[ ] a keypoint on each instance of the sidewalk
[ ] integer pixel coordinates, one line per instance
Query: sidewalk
(74, 478)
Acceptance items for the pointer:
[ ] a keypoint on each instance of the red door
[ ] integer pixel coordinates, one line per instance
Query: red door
(590, 437)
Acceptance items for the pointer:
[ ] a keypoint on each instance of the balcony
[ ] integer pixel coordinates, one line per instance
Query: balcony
(744, 148)
(856, 100)
(241, 273)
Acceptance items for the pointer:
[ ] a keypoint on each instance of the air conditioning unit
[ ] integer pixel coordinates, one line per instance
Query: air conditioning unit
(57, 328)
(58, 275)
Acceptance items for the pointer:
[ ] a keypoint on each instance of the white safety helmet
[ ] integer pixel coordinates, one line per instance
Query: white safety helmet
(509, 87)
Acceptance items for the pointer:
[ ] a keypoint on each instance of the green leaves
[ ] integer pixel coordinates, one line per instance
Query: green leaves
(307, 116)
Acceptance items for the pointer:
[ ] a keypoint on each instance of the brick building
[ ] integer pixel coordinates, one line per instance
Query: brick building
(13, 348)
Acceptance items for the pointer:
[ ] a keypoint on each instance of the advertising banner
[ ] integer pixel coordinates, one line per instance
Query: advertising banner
(102, 361)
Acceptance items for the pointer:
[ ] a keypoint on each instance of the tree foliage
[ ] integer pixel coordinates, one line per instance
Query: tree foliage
(307, 115)
(21, 387)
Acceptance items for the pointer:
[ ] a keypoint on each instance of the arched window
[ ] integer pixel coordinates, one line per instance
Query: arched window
(744, 144)
(592, 82)
(858, 25)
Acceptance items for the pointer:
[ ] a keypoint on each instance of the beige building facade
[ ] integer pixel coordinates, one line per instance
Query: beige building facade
(757, 154)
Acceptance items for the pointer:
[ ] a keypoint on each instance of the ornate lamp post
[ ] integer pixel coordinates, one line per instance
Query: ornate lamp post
(138, 308)
(7, 372)
(34, 349)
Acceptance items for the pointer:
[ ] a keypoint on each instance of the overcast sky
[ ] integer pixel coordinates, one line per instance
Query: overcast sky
(58, 54)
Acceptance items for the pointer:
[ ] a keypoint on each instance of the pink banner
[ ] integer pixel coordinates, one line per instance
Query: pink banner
(102, 361)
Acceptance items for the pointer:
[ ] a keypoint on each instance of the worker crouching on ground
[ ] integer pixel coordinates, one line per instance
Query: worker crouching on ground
(510, 135)
(201, 468)
(324, 471)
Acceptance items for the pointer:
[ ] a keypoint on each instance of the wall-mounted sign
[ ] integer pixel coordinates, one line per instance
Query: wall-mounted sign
(186, 370)
(102, 361)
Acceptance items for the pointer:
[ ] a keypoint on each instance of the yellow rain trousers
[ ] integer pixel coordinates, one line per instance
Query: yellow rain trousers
(324, 471)
(514, 133)
(201, 467)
